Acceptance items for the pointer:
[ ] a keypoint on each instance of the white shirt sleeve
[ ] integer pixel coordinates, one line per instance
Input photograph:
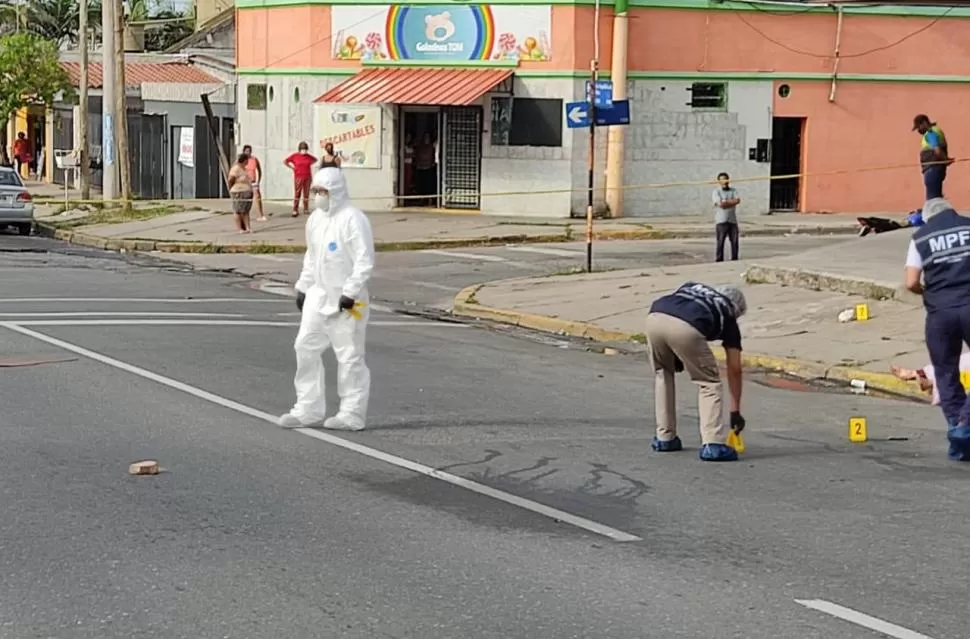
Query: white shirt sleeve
(913, 259)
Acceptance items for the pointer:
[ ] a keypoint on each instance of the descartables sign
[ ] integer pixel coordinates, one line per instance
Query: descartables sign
(440, 32)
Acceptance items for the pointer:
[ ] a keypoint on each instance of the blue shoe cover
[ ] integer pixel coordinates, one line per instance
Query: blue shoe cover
(667, 447)
(959, 437)
(718, 453)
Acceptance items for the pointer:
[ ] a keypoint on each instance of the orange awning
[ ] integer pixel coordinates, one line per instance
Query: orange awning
(440, 87)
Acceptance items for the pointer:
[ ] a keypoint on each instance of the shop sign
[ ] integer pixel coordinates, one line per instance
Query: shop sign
(354, 131)
(442, 32)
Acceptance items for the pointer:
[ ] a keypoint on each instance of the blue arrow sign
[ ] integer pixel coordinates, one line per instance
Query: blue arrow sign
(603, 95)
(619, 115)
(577, 115)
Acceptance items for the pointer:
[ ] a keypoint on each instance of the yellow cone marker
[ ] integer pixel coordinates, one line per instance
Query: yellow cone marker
(356, 313)
(735, 441)
(965, 379)
(861, 312)
(857, 430)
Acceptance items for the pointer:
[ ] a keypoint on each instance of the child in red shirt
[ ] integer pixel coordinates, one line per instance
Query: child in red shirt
(301, 163)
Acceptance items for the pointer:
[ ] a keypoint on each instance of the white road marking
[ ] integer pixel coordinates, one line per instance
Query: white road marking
(118, 314)
(466, 256)
(140, 300)
(373, 453)
(546, 251)
(179, 322)
(861, 619)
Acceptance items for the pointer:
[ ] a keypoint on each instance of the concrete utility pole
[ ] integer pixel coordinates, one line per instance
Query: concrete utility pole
(615, 142)
(121, 104)
(84, 143)
(109, 187)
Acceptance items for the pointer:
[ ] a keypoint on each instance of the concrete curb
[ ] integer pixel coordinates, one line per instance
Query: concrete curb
(820, 281)
(465, 305)
(139, 244)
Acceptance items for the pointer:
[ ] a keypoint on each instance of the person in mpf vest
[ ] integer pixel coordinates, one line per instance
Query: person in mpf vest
(939, 255)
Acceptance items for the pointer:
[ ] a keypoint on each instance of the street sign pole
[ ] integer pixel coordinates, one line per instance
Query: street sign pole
(594, 76)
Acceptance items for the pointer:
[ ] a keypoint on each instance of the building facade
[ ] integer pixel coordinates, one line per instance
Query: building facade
(468, 101)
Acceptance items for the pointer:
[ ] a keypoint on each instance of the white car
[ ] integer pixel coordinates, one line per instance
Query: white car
(16, 205)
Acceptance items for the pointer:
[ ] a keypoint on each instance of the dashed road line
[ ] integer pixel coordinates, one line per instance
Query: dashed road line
(861, 619)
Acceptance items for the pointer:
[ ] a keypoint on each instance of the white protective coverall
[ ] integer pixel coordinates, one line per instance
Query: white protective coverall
(338, 262)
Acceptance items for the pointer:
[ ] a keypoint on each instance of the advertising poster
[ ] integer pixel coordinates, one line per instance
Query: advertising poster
(442, 32)
(354, 131)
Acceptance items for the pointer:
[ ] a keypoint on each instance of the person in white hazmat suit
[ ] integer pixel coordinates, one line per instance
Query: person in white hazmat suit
(332, 297)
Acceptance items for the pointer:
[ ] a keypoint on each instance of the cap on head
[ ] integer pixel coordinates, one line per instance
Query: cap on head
(736, 297)
(921, 120)
(934, 206)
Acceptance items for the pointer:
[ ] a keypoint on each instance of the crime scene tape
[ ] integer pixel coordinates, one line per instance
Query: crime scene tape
(585, 189)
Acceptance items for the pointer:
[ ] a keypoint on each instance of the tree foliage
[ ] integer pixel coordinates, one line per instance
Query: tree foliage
(30, 72)
(56, 20)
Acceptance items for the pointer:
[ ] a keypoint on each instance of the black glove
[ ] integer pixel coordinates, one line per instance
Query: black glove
(737, 422)
(346, 303)
(300, 299)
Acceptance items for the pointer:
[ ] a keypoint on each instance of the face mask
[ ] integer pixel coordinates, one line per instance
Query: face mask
(321, 201)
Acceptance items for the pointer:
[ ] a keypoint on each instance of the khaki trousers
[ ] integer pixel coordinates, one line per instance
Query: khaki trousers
(671, 339)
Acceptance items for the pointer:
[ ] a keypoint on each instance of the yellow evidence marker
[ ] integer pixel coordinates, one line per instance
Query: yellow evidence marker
(965, 379)
(857, 430)
(356, 313)
(861, 312)
(735, 441)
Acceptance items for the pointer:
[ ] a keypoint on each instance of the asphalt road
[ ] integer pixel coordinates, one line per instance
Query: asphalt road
(432, 278)
(253, 531)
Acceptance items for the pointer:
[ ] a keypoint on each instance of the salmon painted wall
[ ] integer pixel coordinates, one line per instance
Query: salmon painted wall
(299, 37)
(867, 127)
(685, 40)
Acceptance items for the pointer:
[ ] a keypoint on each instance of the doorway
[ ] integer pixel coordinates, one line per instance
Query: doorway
(786, 159)
(419, 180)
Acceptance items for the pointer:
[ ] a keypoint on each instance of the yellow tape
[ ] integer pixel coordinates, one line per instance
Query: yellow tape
(629, 187)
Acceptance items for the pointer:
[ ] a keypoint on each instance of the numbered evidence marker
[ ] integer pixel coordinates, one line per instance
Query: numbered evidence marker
(857, 430)
(861, 312)
(965, 379)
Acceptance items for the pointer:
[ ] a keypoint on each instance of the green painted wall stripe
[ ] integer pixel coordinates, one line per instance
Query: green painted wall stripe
(714, 5)
(652, 75)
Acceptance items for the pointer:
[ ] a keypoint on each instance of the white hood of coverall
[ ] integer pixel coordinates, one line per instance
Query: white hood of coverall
(340, 248)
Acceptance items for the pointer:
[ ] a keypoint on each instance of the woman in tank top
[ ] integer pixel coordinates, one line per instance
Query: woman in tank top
(329, 157)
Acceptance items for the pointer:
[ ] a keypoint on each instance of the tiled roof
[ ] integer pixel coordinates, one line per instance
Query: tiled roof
(138, 73)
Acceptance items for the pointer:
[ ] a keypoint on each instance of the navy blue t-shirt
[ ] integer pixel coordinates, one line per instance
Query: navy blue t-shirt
(705, 309)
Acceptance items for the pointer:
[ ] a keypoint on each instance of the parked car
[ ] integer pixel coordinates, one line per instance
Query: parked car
(16, 205)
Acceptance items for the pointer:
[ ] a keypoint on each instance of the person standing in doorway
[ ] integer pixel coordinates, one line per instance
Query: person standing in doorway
(726, 202)
(241, 193)
(425, 172)
(255, 172)
(21, 152)
(330, 158)
(301, 163)
(934, 155)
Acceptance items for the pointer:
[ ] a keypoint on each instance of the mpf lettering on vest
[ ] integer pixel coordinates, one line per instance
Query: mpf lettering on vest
(949, 240)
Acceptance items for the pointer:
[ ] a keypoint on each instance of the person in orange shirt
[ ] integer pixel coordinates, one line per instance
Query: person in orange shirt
(21, 151)
(255, 171)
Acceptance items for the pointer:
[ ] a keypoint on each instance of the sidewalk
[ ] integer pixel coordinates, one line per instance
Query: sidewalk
(205, 226)
(210, 232)
(786, 328)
